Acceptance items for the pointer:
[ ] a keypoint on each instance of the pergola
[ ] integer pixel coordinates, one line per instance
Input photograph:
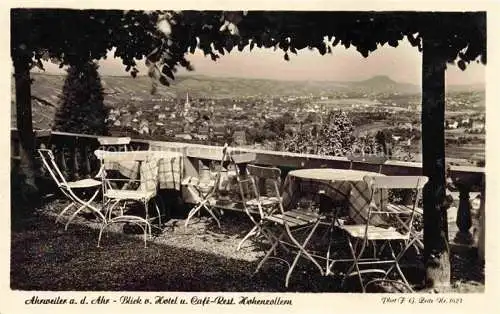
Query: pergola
(442, 37)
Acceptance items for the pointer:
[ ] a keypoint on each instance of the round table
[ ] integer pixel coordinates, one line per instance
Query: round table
(342, 186)
(327, 174)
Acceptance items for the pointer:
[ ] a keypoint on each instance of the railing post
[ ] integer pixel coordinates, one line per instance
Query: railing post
(482, 221)
(86, 157)
(464, 219)
(61, 154)
(74, 154)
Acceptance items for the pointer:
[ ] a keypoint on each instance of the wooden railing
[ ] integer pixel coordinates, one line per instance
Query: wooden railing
(74, 153)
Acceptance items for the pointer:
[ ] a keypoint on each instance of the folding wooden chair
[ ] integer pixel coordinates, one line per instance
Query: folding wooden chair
(67, 188)
(205, 190)
(367, 159)
(283, 228)
(145, 193)
(399, 220)
(255, 202)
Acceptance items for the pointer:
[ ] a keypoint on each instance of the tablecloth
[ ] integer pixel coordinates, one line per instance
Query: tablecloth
(170, 167)
(343, 187)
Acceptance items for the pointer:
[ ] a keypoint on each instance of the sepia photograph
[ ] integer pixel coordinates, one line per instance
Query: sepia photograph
(288, 151)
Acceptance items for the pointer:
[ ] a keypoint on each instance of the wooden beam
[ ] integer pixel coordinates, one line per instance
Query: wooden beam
(433, 162)
(24, 120)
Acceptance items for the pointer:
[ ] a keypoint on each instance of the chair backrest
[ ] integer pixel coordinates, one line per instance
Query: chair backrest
(396, 182)
(147, 162)
(110, 143)
(243, 158)
(104, 155)
(250, 185)
(50, 163)
(379, 183)
(265, 174)
(367, 159)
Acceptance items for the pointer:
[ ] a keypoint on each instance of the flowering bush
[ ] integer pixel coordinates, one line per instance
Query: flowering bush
(332, 136)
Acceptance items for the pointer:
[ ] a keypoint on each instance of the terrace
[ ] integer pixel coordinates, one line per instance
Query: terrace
(43, 248)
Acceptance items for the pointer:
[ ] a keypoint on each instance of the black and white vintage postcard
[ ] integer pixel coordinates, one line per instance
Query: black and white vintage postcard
(249, 156)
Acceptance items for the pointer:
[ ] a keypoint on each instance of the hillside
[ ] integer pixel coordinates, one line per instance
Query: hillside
(46, 90)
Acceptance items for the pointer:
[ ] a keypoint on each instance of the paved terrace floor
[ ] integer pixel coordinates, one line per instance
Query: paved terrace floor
(199, 258)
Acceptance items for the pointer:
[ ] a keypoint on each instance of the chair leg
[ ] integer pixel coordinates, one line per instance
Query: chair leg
(139, 221)
(271, 250)
(248, 235)
(146, 230)
(272, 238)
(64, 211)
(396, 262)
(101, 230)
(158, 212)
(112, 207)
(84, 206)
(193, 212)
(354, 265)
(209, 210)
(302, 250)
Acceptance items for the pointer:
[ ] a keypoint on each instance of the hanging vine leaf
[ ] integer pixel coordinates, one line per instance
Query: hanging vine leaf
(134, 34)
(164, 81)
(461, 65)
(229, 45)
(166, 70)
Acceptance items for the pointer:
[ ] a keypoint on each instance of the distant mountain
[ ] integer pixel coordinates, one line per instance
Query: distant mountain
(383, 83)
(377, 81)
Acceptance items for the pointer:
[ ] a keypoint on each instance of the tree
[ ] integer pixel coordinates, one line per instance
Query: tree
(277, 126)
(381, 140)
(82, 108)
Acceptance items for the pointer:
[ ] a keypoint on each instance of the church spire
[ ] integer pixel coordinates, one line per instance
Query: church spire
(187, 105)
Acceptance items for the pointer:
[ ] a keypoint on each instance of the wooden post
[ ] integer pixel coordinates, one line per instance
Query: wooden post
(436, 252)
(24, 123)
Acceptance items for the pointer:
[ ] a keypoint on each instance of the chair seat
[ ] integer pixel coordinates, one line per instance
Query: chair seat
(397, 208)
(130, 194)
(374, 233)
(274, 199)
(85, 183)
(264, 201)
(204, 187)
(294, 218)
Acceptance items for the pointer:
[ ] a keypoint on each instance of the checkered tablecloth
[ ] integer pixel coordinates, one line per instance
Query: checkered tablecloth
(170, 168)
(342, 186)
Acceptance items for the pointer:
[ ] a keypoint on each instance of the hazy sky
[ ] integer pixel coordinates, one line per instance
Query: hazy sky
(402, 64)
